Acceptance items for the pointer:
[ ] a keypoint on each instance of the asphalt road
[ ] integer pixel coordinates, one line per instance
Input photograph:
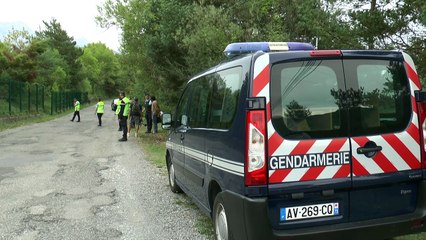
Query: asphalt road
(70, 180)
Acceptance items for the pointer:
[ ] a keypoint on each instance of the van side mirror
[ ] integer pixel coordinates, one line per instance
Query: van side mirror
(420, 96)
(166, 121)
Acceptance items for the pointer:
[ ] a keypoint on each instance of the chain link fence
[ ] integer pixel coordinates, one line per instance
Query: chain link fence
(21, 98)
(62, 101)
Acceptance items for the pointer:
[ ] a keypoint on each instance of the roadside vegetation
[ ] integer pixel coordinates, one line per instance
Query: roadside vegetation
(165, 42)
(154, 146)
(412, 237)
(8, 122)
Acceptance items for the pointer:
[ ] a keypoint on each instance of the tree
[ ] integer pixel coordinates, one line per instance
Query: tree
(296, 111)
(153, 57)
(391, 24)
(208, 30)
(19, 56)
(58, 38)
(4, 63)
(101, 69)
(50, 69)
(165, 42)
(18, 40)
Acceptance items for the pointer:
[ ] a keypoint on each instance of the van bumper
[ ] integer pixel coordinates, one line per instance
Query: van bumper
(248, 219)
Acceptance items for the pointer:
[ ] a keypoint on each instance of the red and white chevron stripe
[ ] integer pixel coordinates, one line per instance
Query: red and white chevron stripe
(401, 151)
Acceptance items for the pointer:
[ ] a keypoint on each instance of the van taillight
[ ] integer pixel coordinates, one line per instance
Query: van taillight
(422, 115)
(255, 162)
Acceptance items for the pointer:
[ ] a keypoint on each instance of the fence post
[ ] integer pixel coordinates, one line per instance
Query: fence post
(42, 98)
(56, 102)
(10, 96)
(20, 89)
(36, 100)
(29, 98)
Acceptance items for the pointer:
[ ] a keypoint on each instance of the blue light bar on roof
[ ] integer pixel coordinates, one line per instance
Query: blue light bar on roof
(249, 47)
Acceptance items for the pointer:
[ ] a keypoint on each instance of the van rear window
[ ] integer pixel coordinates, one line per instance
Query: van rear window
(381, 101)
(318, 99)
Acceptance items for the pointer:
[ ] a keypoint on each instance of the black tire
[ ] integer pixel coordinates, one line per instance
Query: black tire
(174, 187)
(220, 220)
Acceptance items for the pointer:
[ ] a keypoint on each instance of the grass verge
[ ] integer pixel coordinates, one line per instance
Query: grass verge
(154, 146)
(420, 236)
(14, 121)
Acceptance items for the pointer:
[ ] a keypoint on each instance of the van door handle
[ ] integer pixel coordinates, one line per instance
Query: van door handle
(369, 150)
(365, 150)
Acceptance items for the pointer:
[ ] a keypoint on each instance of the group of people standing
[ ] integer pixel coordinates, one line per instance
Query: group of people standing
(132, 108)
(126, 109)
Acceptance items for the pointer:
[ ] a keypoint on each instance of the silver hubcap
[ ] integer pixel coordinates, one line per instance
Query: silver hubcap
(221, 224)
(172, 175)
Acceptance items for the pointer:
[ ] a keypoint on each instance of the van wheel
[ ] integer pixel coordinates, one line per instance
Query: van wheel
(220, 220)
(172, 179)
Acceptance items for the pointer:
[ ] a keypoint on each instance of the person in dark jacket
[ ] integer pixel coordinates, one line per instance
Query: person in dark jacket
(148, 113)
(135, 116)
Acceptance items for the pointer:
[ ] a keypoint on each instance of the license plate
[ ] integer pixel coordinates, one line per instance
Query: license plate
(309, 211)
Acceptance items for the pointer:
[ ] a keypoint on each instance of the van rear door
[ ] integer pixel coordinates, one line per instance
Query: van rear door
(308, 139)
(343, 135)
(384, 130)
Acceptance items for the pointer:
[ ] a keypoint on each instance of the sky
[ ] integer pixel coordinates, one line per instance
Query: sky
(77, 18)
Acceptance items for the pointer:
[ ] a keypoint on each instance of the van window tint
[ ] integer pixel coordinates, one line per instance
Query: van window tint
(381, 102)
(226, 87)
(181, 110)
(214, 99)
(200, 103)
(303, 102)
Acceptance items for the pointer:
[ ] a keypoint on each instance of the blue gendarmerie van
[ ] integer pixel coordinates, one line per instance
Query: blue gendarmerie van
(283, 141)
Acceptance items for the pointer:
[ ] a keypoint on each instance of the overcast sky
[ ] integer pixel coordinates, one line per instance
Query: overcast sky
(77, 18)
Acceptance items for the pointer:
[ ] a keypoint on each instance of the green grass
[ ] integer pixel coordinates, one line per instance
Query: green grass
(420, 236)
(204, 226)
(13, 121)
(154, 146)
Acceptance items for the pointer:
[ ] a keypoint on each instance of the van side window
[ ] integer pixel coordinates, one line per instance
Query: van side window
(181, 110)
(225, 89)
(200, 103)
(303, 104)
(214, 99)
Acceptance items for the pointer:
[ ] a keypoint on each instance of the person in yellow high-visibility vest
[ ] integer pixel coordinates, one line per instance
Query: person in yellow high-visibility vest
(123, 114)
(117, 111)
(100, 109)
(76, 110)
